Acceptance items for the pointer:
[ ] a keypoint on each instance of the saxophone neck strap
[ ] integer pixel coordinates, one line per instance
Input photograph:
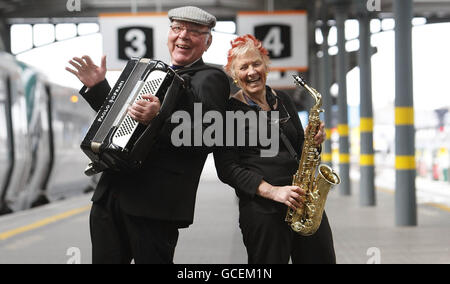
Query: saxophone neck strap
(288, 145)
(284, 138)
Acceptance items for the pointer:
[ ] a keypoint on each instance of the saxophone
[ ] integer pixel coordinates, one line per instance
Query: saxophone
(306, 219)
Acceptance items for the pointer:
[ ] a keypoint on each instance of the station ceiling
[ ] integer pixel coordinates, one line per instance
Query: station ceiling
(439, 10)
(224, 9)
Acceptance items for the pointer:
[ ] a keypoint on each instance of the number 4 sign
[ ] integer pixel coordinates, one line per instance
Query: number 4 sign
(283, 34)
(276, 39)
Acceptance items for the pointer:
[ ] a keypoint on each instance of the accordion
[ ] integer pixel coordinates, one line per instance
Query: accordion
(117, 142)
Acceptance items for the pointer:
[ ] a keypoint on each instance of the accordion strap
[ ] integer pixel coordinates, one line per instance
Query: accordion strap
(191, 70)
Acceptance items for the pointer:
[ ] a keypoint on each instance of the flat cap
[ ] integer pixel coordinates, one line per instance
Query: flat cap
(192, 14)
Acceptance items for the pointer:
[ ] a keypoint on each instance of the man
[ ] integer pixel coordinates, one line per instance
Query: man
(137, 215)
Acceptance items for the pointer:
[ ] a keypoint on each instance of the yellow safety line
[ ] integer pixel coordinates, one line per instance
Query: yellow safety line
(439, 206)
(385, 190)
(43, 222)
(435, 205)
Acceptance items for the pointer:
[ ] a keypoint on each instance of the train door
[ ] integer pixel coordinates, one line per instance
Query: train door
(19, 139)
(41, 143)
(6, 151)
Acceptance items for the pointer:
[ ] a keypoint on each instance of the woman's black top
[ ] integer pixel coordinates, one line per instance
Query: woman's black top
(243, 168)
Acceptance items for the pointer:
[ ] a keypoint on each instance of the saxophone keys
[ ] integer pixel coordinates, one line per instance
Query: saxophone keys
(309, 223)
(311, 209)
(297, 226)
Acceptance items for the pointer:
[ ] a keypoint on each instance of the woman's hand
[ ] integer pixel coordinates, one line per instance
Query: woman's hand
(321, 135)
(87, 72)
(291, 196)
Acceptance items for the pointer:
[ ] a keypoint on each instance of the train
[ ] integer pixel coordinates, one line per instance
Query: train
(41, 127)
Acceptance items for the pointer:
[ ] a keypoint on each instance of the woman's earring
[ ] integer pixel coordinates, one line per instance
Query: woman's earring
(235, 81)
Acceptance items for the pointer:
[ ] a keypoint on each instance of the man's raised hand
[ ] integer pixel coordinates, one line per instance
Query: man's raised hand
(86, 71)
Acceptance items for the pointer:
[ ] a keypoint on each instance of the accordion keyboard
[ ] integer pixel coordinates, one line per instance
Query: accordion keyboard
(128, 125)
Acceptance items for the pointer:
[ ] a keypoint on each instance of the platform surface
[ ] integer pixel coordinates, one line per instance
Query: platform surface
(59, 232)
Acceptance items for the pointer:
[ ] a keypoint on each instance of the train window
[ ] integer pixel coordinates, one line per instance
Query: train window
(65, 31)
(21, 38)
(43, 34)
(88, 28)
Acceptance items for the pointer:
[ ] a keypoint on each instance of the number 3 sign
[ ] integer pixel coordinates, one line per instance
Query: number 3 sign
(127, 35)
(135, 42)
(283, 34)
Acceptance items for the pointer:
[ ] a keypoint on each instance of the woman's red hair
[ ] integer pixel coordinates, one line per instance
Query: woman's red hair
(240, 42)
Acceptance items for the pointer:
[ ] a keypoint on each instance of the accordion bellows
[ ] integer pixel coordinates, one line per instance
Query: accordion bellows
(117, 142)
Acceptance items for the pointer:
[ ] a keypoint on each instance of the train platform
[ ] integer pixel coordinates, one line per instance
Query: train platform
(59, 232)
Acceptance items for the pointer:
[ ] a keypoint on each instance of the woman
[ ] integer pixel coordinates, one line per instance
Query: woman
(263, 183)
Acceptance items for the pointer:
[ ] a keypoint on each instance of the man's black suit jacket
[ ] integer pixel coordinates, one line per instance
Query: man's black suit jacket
(165, 187)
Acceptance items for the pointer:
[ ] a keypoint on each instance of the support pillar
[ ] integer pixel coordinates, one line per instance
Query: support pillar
(343, 129)
(327, 101)
(405, 167)
(367, 157)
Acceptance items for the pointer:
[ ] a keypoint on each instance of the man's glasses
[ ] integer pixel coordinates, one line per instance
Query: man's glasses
(177, 29)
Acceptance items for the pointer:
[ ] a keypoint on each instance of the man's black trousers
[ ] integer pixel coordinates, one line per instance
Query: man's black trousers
(118, 237)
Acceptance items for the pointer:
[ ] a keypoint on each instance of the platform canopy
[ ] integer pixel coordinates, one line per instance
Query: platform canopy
(435, 10)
